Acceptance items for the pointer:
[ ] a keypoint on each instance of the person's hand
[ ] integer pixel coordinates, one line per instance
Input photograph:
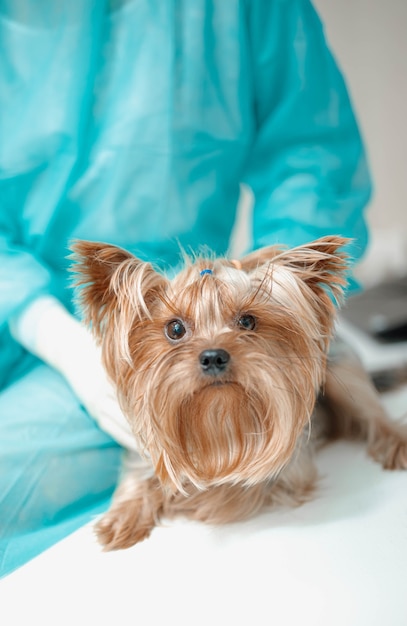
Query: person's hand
(49, 331)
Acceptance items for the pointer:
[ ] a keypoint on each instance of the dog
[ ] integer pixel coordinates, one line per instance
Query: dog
(226, 376)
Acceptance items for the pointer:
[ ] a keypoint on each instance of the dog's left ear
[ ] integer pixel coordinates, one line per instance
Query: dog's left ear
(113, 286)
(320, 262)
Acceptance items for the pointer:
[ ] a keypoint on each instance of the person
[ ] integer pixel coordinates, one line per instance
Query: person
(136, 123)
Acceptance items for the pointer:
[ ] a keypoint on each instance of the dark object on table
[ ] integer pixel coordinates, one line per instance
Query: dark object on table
(380, 311)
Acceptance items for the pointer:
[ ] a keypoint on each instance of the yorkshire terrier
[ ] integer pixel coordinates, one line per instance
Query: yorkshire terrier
(224, 375)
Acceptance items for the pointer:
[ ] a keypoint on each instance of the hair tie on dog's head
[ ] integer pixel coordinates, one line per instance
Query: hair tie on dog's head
(206, 271)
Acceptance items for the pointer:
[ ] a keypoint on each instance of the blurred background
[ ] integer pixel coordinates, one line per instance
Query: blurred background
(369, 40)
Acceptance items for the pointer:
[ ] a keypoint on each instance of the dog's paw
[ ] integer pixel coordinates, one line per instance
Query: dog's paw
(389, 446)
(136, 509)
(122, 527)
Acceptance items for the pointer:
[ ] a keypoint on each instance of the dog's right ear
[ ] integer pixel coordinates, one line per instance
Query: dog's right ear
(112, 285)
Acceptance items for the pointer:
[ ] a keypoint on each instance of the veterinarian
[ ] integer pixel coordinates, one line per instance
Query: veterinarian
(135, 123)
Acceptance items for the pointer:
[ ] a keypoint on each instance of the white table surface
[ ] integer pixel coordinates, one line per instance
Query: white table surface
(339, 560)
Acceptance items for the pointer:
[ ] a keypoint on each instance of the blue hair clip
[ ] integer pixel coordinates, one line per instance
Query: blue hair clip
(206, 271)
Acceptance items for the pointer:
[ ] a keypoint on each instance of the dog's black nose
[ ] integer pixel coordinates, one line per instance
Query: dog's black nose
(214, 362)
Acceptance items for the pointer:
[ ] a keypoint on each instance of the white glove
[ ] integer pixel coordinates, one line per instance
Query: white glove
(47, 330)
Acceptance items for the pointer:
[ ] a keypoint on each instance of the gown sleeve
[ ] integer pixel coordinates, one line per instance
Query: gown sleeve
(23, 277)
(307, 169)
(39, 124)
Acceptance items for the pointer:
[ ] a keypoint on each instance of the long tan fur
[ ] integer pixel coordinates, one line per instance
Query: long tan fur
(223, 446)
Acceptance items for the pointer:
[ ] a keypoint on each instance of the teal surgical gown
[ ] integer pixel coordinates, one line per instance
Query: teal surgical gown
(135, 122)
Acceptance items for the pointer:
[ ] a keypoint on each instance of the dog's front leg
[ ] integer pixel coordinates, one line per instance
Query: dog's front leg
(357, 411)
(135, 510)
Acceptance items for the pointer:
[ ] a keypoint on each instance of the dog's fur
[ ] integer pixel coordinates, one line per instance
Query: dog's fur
(219, 373)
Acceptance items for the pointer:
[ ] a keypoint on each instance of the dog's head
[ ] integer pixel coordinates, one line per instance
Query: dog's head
(218, 369)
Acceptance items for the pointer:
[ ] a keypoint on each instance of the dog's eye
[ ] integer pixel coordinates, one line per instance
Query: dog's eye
(175, 330)
(247, 322)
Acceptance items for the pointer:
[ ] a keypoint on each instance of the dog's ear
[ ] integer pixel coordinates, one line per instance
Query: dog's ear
(318, 263)
(259, 257)
(112, 285)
